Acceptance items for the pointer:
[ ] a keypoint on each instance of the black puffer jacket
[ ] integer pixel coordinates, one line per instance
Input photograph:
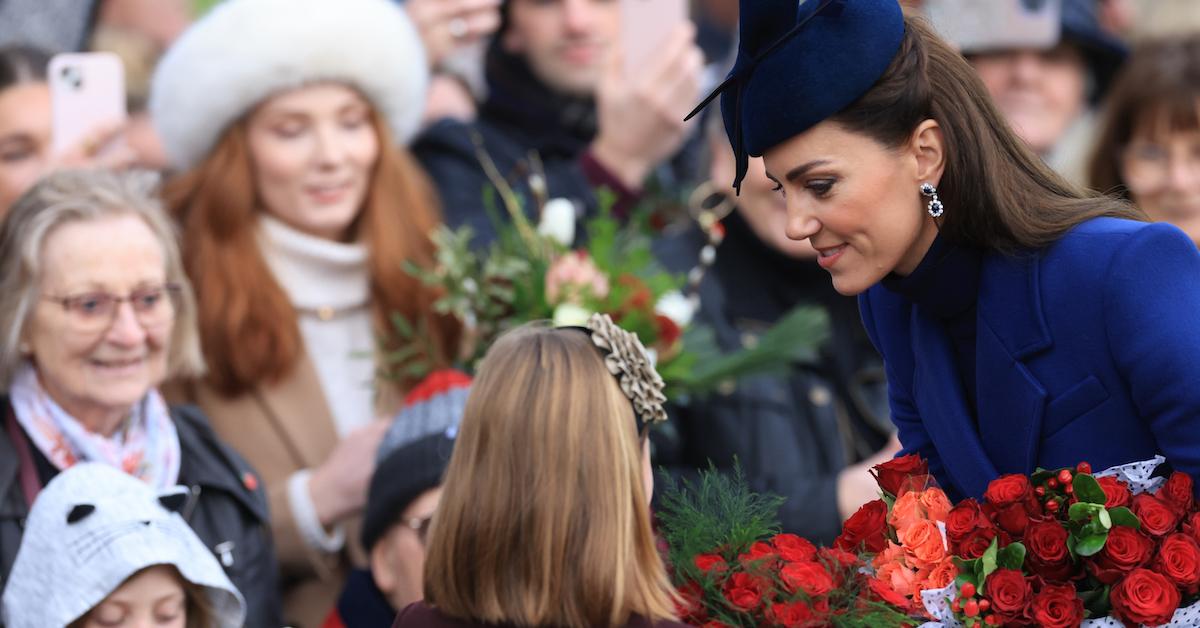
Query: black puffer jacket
(791, 434)
(228, 509)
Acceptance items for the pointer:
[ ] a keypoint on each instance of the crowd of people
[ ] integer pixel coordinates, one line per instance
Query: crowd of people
(197, 299)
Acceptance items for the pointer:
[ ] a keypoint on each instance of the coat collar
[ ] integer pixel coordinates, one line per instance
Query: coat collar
(1011, 329)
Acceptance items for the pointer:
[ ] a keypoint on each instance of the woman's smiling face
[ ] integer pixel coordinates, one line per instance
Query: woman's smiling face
(857, 201)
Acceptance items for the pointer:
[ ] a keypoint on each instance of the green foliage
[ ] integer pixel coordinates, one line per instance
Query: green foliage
(795, 338)
(718, 511)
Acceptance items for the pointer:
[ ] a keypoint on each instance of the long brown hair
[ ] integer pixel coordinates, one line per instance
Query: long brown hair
(1157, 92)
(998, 194)
(248, 328)
(543, 518)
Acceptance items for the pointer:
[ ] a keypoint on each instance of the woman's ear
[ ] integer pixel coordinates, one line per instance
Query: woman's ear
(928, 146)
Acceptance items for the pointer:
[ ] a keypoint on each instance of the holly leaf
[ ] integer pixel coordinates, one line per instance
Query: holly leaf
(1087, 489)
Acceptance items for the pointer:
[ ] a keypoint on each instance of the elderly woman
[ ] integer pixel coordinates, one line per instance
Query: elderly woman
(97, 313)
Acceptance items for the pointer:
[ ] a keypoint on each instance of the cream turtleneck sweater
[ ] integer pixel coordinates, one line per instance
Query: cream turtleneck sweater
(328, 284)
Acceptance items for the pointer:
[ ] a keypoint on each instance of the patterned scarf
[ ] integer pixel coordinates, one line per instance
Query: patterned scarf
(147, 447)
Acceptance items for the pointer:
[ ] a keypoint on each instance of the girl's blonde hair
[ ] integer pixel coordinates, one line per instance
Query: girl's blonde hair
(543, 518)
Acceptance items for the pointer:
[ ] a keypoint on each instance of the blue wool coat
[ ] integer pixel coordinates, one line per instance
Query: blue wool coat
(1088, 350)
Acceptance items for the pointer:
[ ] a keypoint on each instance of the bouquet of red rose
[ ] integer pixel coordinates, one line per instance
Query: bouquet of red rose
(733, 568)
(1067, 547)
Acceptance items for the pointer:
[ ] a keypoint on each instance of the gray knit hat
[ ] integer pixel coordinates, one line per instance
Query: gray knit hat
(90, 529)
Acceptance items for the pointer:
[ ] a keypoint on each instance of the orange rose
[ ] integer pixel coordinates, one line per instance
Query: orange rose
(942, 575)
(906, 511)
(892, 554)
(937, 506)
(922, 542)
(901, 579)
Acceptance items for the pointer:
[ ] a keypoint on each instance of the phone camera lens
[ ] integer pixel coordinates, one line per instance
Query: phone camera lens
(71, 76)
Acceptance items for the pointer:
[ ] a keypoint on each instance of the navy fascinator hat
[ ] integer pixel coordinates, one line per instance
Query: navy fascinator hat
(800, 62)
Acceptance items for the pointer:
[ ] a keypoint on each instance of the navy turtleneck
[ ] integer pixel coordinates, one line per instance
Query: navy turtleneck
(945, 287)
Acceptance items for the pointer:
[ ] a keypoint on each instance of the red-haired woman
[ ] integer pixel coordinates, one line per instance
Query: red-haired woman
(299, 213)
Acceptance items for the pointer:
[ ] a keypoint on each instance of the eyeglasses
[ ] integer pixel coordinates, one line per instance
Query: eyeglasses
(1147, 166)
(94, 312)
(420, 525)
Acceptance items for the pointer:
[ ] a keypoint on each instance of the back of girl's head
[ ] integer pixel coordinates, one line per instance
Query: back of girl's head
(1155, 95)
(22, 64)
(998, 194)
(544, 518)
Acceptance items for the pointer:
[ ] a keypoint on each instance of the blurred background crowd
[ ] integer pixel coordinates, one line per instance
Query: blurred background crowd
(192, 292)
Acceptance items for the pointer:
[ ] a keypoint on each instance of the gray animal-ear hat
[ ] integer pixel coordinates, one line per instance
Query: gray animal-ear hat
(243, 51)
(90, 529)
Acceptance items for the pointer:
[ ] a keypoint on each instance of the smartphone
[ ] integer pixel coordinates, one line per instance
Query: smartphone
(645, 27)
(987, 25)
(87, 92)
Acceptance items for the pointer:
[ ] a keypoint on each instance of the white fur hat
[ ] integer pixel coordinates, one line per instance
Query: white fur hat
(246, 50)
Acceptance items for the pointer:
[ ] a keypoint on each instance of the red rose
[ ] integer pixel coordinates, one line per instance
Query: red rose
(1008, 489)
(759, 552)
(1009, 591)
(1057, 606)
(744, 591)
(715, 624)
(902, 473)
(808, 577)
(790, 615)
(690, 606)
(1116, 492)
(834, 556)
(1125, 550)
(1191, 525)
(975, 544)
(887, 594)
(1158, 517)
(1046, 541)
(1011, 503)
(794, 549)
(964, 519)
(1144, 597)
(710, 563)
(866, 529)
(1178, 492)
(1179, 560)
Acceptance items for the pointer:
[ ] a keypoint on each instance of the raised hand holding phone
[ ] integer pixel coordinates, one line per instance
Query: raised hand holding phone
(87, 94)
(641, 99)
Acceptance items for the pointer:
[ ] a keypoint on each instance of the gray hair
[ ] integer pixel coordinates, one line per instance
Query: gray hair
(83, 195)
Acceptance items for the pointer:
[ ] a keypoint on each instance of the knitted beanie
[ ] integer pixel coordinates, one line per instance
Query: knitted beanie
(415, 451)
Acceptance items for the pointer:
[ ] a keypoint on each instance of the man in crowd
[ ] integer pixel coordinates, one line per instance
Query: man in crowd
(562, 117)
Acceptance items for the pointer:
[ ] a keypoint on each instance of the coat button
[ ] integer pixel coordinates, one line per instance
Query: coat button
(819, 396)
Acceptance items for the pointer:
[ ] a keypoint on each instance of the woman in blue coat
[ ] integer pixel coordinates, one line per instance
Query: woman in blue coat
(1023, 323)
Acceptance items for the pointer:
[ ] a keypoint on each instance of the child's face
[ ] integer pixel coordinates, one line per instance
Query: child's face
(153, 597)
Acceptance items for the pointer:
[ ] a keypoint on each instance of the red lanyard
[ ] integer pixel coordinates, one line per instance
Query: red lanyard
(30, 484)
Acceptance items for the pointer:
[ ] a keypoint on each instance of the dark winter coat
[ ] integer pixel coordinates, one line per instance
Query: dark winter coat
(227, 509)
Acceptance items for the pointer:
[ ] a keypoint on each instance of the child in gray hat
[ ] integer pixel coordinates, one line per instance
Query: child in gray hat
(102, 548)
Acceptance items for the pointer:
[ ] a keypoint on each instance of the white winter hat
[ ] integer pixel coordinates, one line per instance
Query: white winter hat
(90, 529)
(243, 51)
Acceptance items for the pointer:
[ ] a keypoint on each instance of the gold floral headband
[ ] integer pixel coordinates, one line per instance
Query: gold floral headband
(627, 359)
